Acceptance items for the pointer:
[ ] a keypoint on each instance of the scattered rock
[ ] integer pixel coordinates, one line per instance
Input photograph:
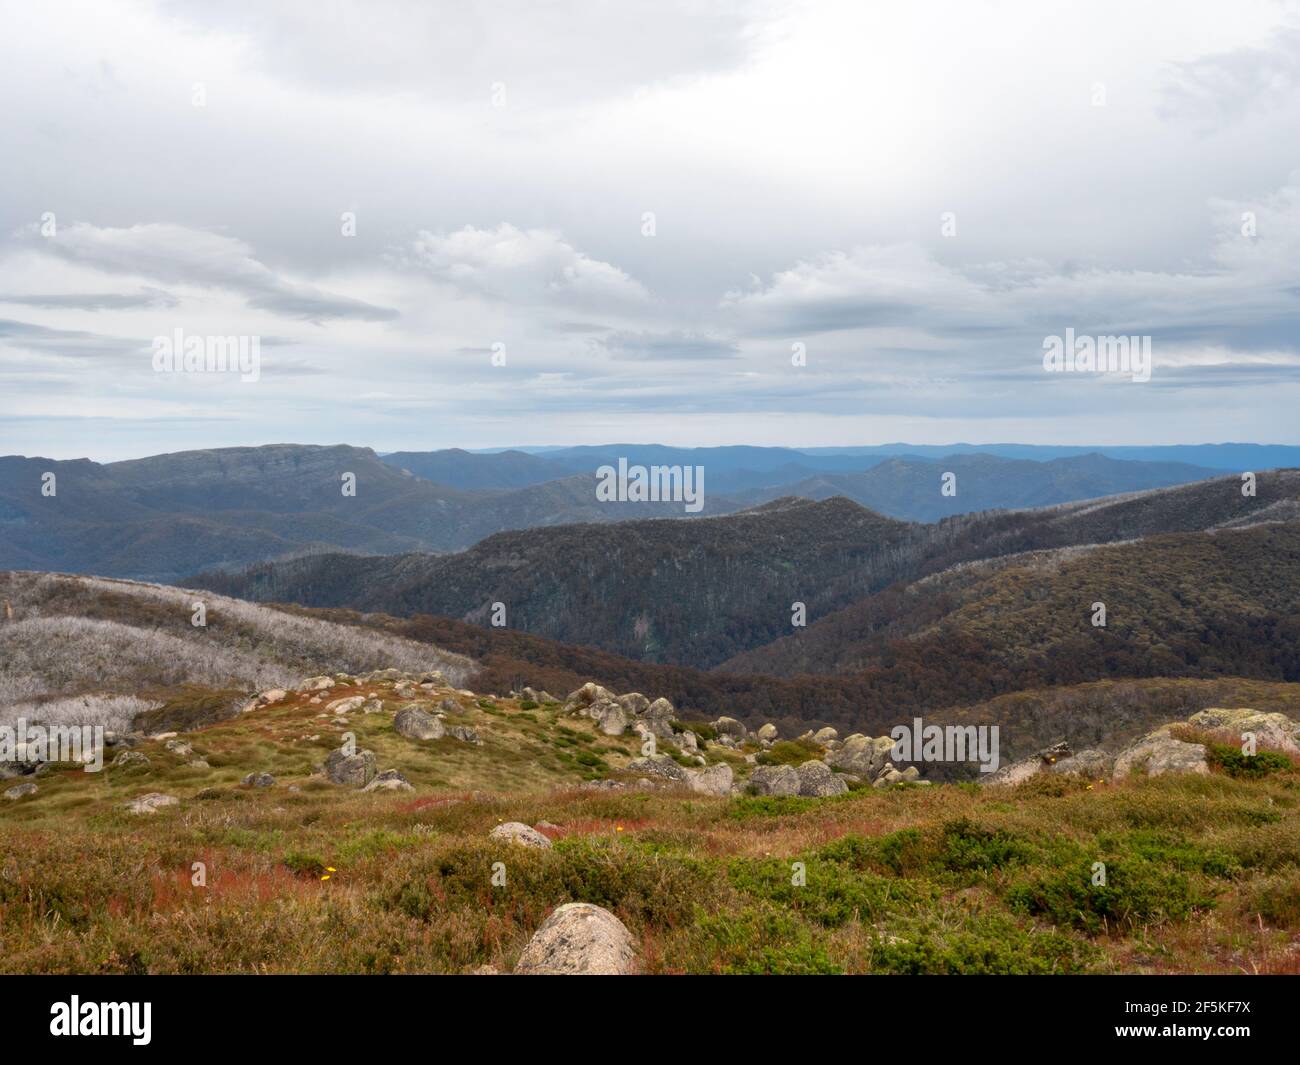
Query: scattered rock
(579, 939)
(634, 703)
(713, 780)
(346, 705)
(729, 726)
(258, 780)
(614, 719)
(151, 803)
(775, 780)
(389, 780)
(817, 780)
(1092, 764)
(465, 734)
(1160, 753)
(354, 770)
(1270, 729)
(415, 724)
(18, 791)
(659, 766)
(861, 755)
(518, 832)
(130, 758)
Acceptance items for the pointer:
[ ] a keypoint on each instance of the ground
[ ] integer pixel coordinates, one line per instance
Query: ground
(1202, 873)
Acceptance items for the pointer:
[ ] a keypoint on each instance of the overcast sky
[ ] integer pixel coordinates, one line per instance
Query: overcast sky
(501, 160)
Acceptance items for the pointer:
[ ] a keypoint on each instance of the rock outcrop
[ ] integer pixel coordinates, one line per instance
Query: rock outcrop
(579, 939)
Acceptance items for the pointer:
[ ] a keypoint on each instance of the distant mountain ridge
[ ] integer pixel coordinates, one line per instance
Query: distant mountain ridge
(686, 592)
(167, 516)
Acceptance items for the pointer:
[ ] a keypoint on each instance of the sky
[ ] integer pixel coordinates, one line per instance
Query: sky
(524, 223)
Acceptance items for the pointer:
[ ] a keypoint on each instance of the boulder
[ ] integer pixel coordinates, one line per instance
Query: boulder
(658, 718)
(775, 780)
(258, 780)
(415, 724)
(354, 770)
(861, 755)
(389, 780)
(767, 733)
(1159, 753)
(1270, 729)
(465, 734)
(729, 726)
(266, 698)
(18, 791)
(346, 705)
(660, 766)
(130, 758)
(825, 736)
(179, 748)
(816, 779)
(1091, 763)
(151, 803)
(518, 832)
(317, 684)
(590, 693)
(614, 719)
(712, 780)
(634, 703)
(579, 939)
(889, 776)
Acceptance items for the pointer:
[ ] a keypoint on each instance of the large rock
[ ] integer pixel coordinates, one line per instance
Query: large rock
(634, 703)
(465, 734)
(346, 705)
(767, 733)
(258, 780)
(1160, 753)
(816, 779)
(518, 832)
(659, 766)
(354, 770)
(1270, 729)
(19, 791)
(1092, 764)
(712, 780)
(151, 803)
(579, 940)
(775, 780)
(658, 718)
(389, 780)
(415, 724)
(614, 719)
(1018, 772)
(825, 736)
(862, 755)
(729, 726)
(590, 693)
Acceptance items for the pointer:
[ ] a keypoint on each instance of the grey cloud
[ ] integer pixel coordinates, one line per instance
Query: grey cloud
(675, 344)
(93, 301)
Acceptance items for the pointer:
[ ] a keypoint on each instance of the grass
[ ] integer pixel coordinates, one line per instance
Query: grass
(1202, 873)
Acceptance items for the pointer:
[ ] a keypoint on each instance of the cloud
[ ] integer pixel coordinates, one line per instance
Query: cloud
(92, 301)
(1227, 86)
(181, 255)
(672, 345)
(532, 266)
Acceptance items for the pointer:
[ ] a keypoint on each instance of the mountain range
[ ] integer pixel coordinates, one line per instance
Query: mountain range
(168, 516)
